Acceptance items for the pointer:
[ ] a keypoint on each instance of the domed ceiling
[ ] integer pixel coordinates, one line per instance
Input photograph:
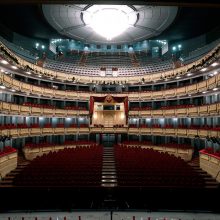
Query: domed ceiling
(115, 24)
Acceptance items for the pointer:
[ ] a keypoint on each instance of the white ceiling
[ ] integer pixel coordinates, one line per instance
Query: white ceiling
(68, 20)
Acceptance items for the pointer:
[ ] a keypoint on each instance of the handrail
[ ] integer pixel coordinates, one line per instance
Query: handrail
(151, 95)
(181, 132)
(14, 109)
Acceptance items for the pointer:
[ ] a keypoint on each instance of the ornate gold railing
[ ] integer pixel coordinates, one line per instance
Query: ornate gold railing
(210, 164)
(180, 132)
(14, 109)
(73, 95)
(197, 111)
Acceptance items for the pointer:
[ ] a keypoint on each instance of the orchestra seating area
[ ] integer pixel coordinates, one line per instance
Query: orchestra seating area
(66, 168)
(149, 143)
(146, 167)
(183, 151)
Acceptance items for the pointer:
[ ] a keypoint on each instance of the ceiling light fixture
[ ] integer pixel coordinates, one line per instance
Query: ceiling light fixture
(204, 69)
(4, 61)
(14, 67)
(109, 21)
(214, 64)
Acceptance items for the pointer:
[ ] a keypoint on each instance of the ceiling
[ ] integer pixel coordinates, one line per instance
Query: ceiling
(145, 21)
(29, 20)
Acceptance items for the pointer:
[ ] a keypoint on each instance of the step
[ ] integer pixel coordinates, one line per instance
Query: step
(108, 162)
(108, 165)
(6, 182)
(108, 168)
(108, 172)
(8, 178)
(109, 181)
(109, 176)
(109, 184)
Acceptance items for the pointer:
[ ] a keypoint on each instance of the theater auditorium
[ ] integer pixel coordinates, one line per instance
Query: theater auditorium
(109, 110)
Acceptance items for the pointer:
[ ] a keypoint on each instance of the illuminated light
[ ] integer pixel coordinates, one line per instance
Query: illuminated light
(109, 21)
(178, 77)
(179, 46)
(37, 44)
(122, 116)
(175, 119)
(13, 90)
(14, 67)
(215, 73)
(29, 73)
(39, 76)
(2, 87)
(4, 61)
(214, 64)
(190, 95)
(204, 69)
(68, 119)
(95, 116)
(174, 48)
(204, 92)
(215, 89)
(189, 74)
(2, 70)
(42, 46)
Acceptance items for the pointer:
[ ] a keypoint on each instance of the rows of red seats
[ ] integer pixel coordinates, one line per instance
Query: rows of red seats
(75, 108)
(149, 143)
(118, 126)
(80, 142)
(72, 167)
(177, 106)
(140, 108)
(39, 105)
(98, 125)
(203, 127)
(7, 150)
(148, 168)
(47, 125)
(52, 106)
(47, 144)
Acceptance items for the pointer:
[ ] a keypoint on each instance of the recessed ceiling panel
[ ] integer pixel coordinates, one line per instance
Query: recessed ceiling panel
(137, 22)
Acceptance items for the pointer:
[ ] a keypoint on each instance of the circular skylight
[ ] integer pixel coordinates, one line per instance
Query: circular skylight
(109, 21)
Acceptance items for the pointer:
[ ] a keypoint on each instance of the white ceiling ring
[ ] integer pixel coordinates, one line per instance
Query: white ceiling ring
(109, 24)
